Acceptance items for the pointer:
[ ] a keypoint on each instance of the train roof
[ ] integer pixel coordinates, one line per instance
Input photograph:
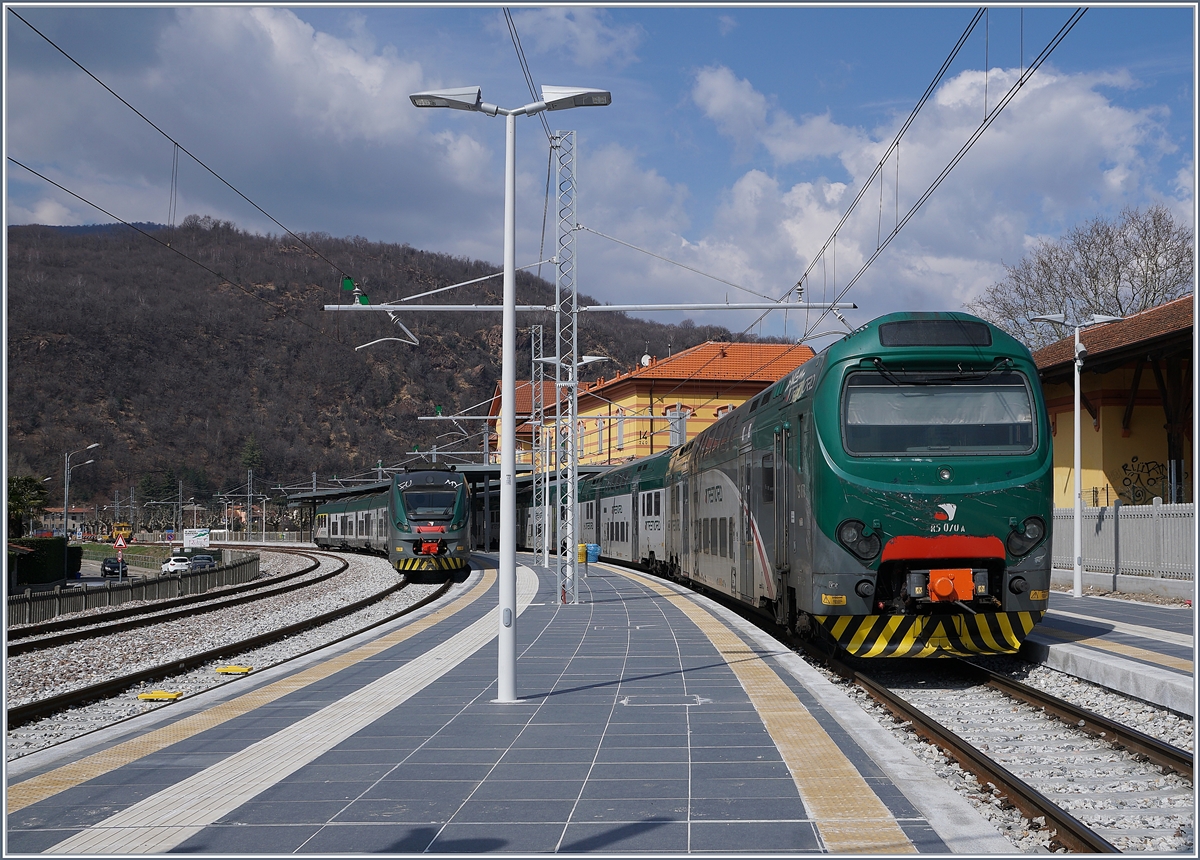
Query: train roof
(926, 330)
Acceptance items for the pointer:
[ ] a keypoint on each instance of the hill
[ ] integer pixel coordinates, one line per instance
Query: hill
(186, 373)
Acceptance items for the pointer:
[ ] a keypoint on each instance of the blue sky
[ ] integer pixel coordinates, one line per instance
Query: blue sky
(735, 140)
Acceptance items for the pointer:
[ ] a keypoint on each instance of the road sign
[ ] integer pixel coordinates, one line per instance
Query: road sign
(120, 544)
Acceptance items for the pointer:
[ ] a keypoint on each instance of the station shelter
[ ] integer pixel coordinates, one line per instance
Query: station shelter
(662, 402)
(1136, 408)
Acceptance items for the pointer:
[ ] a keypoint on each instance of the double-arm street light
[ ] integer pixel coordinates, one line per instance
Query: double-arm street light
(470, 99)
(67, 468)
(1080, 354)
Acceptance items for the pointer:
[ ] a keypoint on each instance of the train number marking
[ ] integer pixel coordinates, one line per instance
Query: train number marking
(712, 495)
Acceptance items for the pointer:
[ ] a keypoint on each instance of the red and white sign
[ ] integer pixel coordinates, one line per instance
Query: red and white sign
(120, 544)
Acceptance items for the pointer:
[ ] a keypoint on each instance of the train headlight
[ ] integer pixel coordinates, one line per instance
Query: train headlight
(1032, 530)
(851, 535)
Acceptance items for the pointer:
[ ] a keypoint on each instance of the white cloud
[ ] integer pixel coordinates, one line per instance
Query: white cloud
(585, 36)
(726, 24)
(1061, 143)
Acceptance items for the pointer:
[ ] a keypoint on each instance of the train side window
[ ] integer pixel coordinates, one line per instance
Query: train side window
(658, 503)
(624, 532)
(706, 543)
(724, 531)
(768, 478)
(715, 539)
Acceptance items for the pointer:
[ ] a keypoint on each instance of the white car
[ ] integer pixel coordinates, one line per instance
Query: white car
(177, 563)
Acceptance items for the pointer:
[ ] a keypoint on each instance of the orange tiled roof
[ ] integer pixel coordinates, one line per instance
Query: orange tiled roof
(1173, 318)
(524, 392)
(723, 362)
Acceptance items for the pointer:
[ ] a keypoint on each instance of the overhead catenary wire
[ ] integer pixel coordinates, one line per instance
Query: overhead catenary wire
(964, 149)
(180, 146)
(282, 311)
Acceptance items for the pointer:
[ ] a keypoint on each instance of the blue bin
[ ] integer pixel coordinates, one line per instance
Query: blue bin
(593, 552)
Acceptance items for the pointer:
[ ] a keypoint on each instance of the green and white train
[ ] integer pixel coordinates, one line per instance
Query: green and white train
(892, 494)
(422, 522)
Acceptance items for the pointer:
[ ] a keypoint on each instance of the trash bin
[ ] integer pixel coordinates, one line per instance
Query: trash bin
(581, 553)
(593, 552)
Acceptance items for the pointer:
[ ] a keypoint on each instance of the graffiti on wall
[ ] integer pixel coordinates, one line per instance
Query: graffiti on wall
(1142, 480)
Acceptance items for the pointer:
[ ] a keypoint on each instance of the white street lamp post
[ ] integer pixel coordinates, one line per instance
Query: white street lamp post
(470, 98)
(67, 498)
(1080, 353)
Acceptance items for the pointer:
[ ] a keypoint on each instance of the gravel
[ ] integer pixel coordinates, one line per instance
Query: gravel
(1064, 762)
(56, 670)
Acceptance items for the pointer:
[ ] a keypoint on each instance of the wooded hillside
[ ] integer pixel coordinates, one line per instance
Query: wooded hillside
(179, 373)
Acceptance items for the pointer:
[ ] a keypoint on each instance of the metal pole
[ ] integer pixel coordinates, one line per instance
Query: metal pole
(66, 507)
(1077, 586)
(506, 677)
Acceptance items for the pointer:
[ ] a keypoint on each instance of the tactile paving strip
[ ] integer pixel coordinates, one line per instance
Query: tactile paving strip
(848, 814)
(76, 773)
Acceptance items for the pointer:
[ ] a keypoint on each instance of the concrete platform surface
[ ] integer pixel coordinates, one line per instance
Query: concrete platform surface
(649, 720)
(1144, 650)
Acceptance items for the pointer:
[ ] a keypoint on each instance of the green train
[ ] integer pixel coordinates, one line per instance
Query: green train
(422, 522)
(893, 494)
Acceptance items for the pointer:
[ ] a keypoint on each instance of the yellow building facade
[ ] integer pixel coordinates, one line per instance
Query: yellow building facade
(661, 403)
(1136, 409)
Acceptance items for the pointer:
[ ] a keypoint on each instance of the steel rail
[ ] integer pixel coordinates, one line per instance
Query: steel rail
(1161, 753)
(208, 603)
(59, 624)
(1070, 832)
(21, 714)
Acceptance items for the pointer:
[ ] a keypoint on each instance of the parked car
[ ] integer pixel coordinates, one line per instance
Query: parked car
(202, 562)
(177, 563)
(112, 567)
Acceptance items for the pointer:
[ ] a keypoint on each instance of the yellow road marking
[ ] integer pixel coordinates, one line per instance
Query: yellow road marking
(847, 813)
(1093, 641)
(60, 779)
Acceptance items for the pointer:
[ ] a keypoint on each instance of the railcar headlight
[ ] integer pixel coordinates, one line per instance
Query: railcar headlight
(1033, 529)
(850, 534)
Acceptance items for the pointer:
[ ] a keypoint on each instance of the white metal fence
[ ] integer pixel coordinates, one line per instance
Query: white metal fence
(1133, 540)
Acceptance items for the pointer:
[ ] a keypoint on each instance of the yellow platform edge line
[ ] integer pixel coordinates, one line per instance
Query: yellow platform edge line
(848, 814)
(1093, 641)
(60, 779)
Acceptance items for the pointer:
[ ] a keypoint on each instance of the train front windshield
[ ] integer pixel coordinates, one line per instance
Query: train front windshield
(903, 414)
(429, 505)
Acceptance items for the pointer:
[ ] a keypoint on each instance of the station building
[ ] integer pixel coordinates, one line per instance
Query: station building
(661, 403)
(1136, 408)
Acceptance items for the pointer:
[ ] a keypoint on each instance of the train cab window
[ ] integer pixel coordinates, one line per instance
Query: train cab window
(722, 529)
(910, 414)
(768, 478)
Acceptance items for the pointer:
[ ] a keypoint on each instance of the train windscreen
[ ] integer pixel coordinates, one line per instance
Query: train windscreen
(429, 505)
(898, 414)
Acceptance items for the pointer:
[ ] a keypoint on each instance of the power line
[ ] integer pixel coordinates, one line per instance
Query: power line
(516, 40)
(224, 279)
(177, 144)
(964, 149)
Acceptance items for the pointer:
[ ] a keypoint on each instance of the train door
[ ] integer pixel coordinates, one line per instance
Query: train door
(685, 528)
(745, 558)
(783, 501)
(634, 519)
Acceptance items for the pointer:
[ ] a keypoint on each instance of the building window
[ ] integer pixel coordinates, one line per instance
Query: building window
(620, 429)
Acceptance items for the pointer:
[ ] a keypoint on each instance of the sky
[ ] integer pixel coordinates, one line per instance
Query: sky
(736, 140)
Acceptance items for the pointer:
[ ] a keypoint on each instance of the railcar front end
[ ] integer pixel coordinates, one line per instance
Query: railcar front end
(927, 480)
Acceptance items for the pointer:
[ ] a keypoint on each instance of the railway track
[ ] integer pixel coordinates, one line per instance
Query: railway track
(65, 631)
(25, 713)
(1046, 756)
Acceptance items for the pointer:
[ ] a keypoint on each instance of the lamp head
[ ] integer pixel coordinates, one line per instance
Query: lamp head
(561, 98)
(1103, 318)
(1061, 319)
(459, 98)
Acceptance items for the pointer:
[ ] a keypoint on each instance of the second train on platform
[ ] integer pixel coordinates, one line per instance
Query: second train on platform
(893, 494)
(421, 522)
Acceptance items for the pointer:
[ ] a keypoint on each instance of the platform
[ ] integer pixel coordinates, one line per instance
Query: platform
(1144, 650)
(649, 720)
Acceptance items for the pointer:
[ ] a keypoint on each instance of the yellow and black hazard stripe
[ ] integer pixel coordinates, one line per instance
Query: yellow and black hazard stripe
(929, 635)
(431, 562)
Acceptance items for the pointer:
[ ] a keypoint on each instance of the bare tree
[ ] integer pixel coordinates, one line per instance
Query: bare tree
(1139, 261)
